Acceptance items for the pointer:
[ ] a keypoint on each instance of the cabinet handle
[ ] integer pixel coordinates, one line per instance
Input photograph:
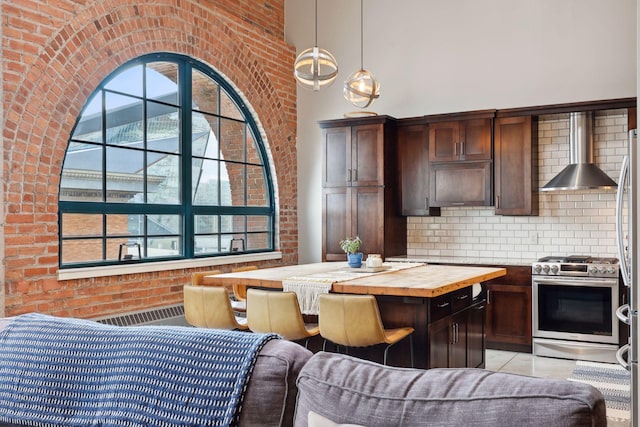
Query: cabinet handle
(443, 305)
(488, 297)
(462, 148)
(463, 297)
(426, 203)
(457, 203)
(349, 175)
(455, 149)
(355, 174)
(480, 307)
(497, 202)
(453, 333)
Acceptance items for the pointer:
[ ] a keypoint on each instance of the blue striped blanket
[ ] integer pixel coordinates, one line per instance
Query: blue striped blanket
(71, 372)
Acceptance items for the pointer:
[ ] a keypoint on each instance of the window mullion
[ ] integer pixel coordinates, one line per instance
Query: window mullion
(186, 151)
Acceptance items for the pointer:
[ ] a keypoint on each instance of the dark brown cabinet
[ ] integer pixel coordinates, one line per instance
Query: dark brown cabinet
(353, 155)
(516, 158)
(460, 140)
(460, 184)
(413, 161)
(457, 341)
(509, 311)
(460, 159)
(350, 212)
(360, 185)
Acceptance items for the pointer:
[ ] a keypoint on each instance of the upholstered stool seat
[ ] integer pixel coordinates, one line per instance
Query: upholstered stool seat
(210, 307)
(354, 321)
(278, 312)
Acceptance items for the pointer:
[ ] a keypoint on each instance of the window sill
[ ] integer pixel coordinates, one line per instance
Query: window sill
(116, 270)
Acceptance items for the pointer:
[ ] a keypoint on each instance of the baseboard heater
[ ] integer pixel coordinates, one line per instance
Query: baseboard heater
(145, 317)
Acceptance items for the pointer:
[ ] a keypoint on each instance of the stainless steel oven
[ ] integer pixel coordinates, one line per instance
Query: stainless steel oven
(574, 304)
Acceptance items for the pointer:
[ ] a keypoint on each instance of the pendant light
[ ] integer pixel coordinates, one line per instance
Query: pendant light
(315, 68)
(361, 88)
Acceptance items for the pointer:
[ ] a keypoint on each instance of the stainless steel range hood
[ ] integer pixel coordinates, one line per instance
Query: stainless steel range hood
(582, 173)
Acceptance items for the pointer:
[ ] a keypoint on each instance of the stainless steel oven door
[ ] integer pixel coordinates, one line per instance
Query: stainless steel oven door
(575, 309)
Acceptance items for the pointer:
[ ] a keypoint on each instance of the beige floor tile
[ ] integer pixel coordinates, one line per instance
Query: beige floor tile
(528, 364)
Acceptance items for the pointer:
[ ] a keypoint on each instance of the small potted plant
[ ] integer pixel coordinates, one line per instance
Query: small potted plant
(351, 246)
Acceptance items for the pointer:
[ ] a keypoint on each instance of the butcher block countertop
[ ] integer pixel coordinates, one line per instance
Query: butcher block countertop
(416, 281)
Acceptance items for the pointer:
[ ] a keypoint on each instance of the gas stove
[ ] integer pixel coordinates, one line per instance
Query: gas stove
(576, 266)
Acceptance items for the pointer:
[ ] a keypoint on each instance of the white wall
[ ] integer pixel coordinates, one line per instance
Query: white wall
(441, 56)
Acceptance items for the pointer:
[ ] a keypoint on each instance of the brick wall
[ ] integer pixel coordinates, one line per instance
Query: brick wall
(54, 54)
(569, 222)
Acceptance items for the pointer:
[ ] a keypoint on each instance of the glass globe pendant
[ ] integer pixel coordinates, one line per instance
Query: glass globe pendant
(315, 68)
(361, 89)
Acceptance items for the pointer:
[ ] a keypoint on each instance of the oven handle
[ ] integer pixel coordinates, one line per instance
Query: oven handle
(623, 350)
(565, 282)
(620, 314)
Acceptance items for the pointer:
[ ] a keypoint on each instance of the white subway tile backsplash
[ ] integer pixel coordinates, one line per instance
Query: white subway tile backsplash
(569, 223)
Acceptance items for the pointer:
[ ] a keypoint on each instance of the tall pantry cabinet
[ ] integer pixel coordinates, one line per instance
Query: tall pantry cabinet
(359, 187)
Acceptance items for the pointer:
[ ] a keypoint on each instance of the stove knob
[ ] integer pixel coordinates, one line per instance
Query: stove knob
(601, 270)
(593, 269)
(545, 268)
(611, 270)
(554, 269)
(537, 269)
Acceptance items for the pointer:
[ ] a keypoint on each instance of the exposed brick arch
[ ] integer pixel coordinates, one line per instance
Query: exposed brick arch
(50, 80)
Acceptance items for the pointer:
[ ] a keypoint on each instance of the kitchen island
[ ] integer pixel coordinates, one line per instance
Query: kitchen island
(436, 300)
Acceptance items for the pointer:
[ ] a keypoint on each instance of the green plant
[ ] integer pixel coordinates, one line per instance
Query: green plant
(351, 245)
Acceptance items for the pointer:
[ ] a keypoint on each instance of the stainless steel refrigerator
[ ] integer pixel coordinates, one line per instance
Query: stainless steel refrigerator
(627, 227)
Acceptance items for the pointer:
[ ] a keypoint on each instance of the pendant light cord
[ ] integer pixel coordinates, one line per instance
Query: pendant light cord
(361, 37)
(316, 41)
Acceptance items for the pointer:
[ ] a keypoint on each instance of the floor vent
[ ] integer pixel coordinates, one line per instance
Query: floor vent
(162, 315)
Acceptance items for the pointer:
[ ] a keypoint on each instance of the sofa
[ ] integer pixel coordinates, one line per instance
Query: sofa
(288, 385)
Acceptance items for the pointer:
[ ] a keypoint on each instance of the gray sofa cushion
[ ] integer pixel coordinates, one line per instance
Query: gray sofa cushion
(271, 393)
(349, 390)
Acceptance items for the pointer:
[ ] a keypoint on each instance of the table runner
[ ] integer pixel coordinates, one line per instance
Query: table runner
(309, 287)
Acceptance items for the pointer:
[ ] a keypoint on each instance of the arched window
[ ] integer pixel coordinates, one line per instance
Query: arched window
(165, 162)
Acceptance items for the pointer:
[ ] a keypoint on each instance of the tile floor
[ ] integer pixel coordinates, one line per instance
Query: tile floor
(528, 364)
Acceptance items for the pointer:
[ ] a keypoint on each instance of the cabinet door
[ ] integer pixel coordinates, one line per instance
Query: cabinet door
(336, 158)
(367, 155)
(336, 222)
(444, 141)
(440, 334)
(475, 139)
(476, 336)
(508, 316)
(367, 218)
(459, 333)
(516, 166)
(460, 184)
(413, 158)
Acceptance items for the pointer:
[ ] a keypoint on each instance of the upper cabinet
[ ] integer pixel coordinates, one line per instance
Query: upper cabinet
(460, 159)
(353, 155)
(413, 161)
(460, 140)
(516, 159)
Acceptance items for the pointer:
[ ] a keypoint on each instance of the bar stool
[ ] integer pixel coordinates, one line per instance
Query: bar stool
(240, 291)
(354, 321)
(200, 279)
(210, 307)
(278, 312)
